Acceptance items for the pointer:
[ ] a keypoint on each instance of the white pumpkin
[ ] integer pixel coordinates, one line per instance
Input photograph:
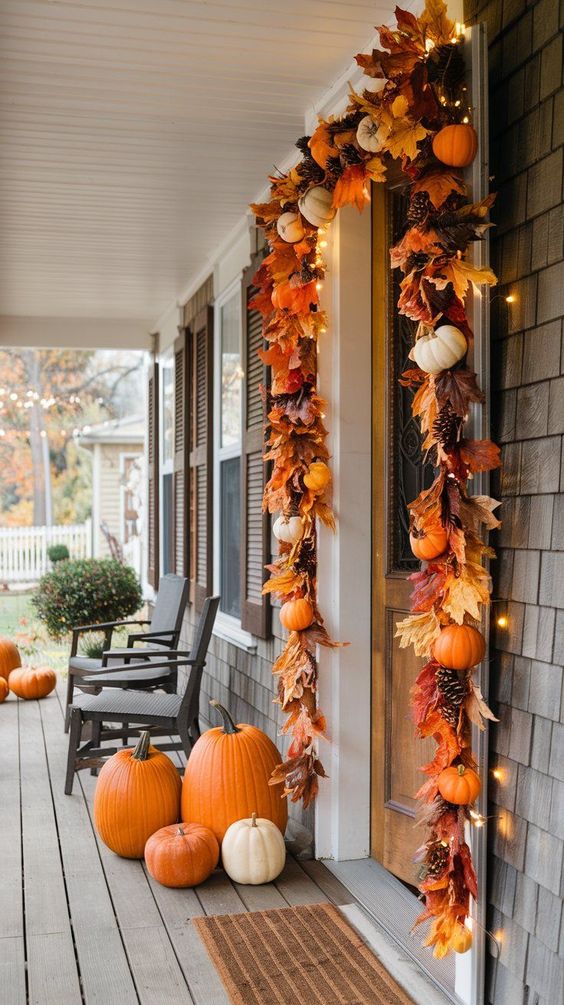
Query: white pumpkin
(288, 529)
(290, 227)
(317, 206)
(440, 350)
(366, 135)
(253, 851)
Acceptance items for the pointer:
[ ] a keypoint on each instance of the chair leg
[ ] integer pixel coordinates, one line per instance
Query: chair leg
(125, 739)
(96, 740)
(185, 739)
(70, 694)
(196, 728)
(74, 742)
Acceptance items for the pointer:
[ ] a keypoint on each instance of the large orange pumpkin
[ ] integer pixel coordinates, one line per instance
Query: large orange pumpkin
(138, 791)
(182, 855)
(294, 299)
(4, 690)
(459, 647)
(456, 145)
(9, 657)
(429, 544)
(227, 777)
(295, 615)
(32, 682)
(459, 785)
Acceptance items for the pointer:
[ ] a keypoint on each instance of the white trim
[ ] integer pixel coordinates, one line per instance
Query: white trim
(96, 489)
(165, 467)
(229, 629)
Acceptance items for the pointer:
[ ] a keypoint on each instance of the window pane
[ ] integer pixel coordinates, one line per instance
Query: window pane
(231, 373)
(168, 408)
(230, 568)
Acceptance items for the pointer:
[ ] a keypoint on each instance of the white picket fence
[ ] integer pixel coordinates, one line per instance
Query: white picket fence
(23, 550)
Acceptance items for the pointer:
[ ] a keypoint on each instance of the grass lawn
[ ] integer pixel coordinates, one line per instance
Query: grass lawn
(14, 607)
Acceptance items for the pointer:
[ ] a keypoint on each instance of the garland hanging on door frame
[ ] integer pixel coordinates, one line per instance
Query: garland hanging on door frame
(416, 111)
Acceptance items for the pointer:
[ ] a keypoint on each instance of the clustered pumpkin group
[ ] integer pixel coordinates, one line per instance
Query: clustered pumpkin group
(415, 112)
(26, 682)
(142, 809)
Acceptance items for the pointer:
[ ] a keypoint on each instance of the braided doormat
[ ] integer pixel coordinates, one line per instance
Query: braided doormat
(306, 954)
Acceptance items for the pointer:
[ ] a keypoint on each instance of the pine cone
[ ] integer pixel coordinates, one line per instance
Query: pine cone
(350, 154)
(419, 208)
(450, 713)
(310, 171)
(437, 859)
(447, 426)
(452, 687)
(303, 145)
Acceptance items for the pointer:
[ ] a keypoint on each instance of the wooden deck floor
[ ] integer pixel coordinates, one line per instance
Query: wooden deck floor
(78, 924)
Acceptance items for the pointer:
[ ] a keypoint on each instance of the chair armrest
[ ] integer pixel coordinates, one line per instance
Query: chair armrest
(106, 624)
(136, 667)
(143, 636)
(145, 654)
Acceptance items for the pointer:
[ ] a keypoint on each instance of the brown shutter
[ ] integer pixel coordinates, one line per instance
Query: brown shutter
(153, 476)
(180, 495)
(200, 425)
(255, 525)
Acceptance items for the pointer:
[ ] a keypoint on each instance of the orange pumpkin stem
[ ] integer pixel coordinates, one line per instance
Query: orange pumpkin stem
(228, 724)
(180, 832)
(461, 769)
(141, 752)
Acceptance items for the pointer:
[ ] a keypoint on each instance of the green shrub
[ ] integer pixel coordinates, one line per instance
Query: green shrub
(57, 553)
(86, 591)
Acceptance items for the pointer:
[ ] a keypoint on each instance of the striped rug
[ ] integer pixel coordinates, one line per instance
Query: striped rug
(306, 955)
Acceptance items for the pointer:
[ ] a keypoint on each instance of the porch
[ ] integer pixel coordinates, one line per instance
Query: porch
(80, 924)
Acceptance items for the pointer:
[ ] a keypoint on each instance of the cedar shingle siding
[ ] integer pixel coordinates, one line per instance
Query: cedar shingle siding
(526, 874)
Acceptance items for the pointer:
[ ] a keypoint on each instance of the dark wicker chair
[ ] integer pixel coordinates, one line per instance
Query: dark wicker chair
(166, 715)
(163, 636)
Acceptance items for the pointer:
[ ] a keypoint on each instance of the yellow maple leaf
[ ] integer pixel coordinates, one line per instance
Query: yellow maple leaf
(419, 631)
(461, 274)
(376, 169)
(463, 594)
(402, 138)
(435, 23)
(400, 106)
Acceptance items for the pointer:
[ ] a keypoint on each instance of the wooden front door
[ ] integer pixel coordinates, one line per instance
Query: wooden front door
(398, 477)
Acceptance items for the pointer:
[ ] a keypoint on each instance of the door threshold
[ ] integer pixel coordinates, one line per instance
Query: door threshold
(393, 909)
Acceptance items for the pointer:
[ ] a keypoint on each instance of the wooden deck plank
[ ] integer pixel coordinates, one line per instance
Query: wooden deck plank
(218, 895)
(52, 970)
(264, 897)
(11, 896)
(158, 976)
(327, 882)
(95, 928)
(296, 887)
(12, 971)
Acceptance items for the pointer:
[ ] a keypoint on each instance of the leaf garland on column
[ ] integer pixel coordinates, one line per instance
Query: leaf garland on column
(415, 111)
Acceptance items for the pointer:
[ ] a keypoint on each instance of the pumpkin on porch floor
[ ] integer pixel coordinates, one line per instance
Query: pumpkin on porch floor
(182, 855)
(253, 851)
(4, 690)
(9, 657)
(138, 792)
(31, 683)
(227, 777)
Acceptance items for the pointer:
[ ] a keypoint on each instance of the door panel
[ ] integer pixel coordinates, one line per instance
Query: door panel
(398, 477)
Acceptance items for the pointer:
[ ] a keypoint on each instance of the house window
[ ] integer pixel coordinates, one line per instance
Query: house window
(228, 423)
(167, 462)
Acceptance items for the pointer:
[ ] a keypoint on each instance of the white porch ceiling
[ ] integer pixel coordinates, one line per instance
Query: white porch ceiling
(134, 133)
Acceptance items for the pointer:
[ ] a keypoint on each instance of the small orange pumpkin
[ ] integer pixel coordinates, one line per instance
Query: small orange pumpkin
(4, 690)
(182, 855)
(317, 477)
(227, 777)
(461, 939)
(294, 299)
(456, 145)
(459, 785)
(428, 544)
(138, 791)
(30, 683)
(9, 657)
(459, 647)
(295, 615)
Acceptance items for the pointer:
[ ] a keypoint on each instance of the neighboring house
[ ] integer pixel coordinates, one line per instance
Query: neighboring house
(117, 449)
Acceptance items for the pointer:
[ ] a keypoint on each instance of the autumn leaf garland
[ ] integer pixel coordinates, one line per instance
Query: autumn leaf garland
(422, 73)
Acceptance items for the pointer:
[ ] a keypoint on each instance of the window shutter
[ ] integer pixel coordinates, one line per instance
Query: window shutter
(180, 496)
(153, 476)
(255, 525)
(200, 430)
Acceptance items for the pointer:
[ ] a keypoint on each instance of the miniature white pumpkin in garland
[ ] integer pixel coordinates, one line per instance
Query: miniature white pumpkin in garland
(253, 851)
(317, 206)
(366, 135)
(439, 350)
(289, 529)
(290, 227)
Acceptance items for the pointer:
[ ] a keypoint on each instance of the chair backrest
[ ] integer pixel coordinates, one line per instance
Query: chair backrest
(190, 699)
(169, 609)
